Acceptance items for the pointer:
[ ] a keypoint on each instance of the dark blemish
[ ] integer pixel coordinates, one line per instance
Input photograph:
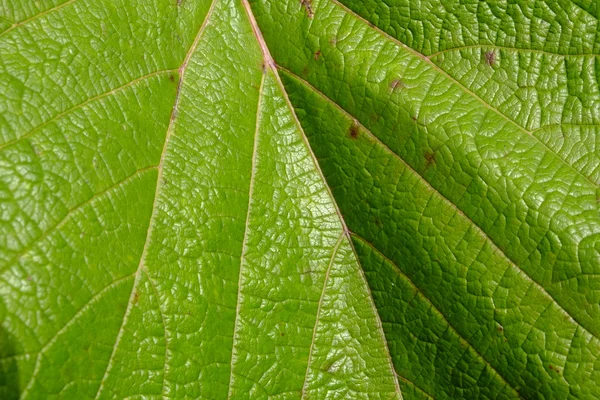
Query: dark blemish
(413, 117)
(553, 368)
(500, 328)
(317, 55)
(282, 334)
(136, 297)
(378, 222)
(307, 6)
(490, 58)
(430, 157)
(397, 84)
(174, 115)
(333, 41)
(305, 71)
(172, 78)
(353, 131)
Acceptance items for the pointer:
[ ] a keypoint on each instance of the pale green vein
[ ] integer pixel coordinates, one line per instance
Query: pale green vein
(164, 324)
(159, 180)
(84, 103)
(541, 128)
(67, 325)
(314, 335)
(510, 49)
(411, 383)
(72, 211)
(376, 313)
(481, 232)
(13, 356)
(269, 62)
(34, 17)
(246, 226)
(458, 83)
(7, 20)
(437, 311)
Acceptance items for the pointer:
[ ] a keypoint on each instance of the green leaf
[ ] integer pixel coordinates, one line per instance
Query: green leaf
(299, 199)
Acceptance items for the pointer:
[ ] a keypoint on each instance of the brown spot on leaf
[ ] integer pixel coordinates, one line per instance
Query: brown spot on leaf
(490, 58)
(307, 6)
(317, 54)
(397, 84)
(353, 131)
(500, 328)
(333, 41)
(136, 297)
(304, 71)
(282, 334)
(553, 368)
(430, 157)
(172, 77)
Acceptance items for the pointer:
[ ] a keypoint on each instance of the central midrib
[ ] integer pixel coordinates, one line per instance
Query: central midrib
(270, 63)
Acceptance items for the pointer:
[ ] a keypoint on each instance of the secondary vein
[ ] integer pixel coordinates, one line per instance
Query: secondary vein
(245, 239)
(159, 180)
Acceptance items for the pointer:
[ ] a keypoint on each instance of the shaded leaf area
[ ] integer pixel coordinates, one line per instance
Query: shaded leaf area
(479, 241)
(535, 62)
(166, 229)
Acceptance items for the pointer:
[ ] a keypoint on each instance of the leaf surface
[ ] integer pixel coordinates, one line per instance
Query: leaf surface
(283, 199)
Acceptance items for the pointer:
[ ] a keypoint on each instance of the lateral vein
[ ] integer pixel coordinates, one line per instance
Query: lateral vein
(245, 239)
(170, 129)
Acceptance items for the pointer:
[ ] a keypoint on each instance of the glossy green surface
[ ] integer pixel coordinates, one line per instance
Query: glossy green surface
(377, 200)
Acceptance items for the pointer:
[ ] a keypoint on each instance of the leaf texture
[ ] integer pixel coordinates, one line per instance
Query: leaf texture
(316, 199)
(492, 231)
